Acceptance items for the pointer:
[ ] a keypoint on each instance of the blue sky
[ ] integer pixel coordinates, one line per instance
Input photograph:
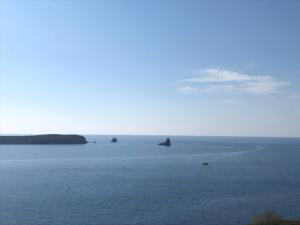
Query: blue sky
(159, 67)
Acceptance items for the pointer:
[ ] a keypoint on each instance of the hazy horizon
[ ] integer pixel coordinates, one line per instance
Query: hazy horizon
(161, 135)
(150, 68)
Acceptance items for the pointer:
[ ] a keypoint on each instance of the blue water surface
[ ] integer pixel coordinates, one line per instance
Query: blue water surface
(137, 182)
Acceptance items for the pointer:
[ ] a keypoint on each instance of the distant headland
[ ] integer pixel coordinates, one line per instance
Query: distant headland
(44, 139)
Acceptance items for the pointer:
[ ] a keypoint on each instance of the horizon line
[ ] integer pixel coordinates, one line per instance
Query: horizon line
(174, 135)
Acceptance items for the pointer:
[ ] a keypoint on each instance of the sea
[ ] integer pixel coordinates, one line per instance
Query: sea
(137, 182)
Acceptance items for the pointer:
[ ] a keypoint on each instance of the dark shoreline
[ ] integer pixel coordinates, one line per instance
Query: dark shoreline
(46, 139)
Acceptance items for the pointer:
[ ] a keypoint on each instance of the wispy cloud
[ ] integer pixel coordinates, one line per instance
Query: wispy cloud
(209, 89)
(215, 80)
(230, 101)
(294, 96)
(190, 90)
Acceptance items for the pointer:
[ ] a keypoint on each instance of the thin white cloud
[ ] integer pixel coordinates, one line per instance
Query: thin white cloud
(214, 80)
(295, 96)
(249, 65)
(221, 75)
(263, 87)
(189, 90)
(209, 89)
(229, 101)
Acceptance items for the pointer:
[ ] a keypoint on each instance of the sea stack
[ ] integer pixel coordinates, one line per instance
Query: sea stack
(114, 140)
(166, 143)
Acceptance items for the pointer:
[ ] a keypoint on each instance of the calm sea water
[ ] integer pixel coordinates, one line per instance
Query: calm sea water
(137, 182)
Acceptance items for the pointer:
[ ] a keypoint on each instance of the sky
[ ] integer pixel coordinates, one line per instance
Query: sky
(221, 68)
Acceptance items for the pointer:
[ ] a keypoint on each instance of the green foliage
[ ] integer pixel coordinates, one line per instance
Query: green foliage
(267, 218)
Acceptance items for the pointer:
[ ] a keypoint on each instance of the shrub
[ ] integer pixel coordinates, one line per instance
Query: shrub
(267, 218)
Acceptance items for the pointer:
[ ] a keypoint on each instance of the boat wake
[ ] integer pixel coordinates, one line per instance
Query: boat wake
(176, 156)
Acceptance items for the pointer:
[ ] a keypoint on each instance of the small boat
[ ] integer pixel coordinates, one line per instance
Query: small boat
(114, 140)
(205, 164)
(166, 143)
